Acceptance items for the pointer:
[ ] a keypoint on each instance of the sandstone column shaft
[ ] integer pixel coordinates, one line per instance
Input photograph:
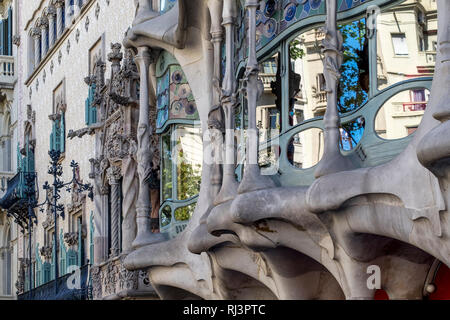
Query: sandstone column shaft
(144, 154)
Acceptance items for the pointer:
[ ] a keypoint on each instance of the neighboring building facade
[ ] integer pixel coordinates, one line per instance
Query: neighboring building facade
(9, 231)
(327, 137)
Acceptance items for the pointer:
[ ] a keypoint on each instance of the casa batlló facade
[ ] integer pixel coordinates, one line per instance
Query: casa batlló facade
(224, 149)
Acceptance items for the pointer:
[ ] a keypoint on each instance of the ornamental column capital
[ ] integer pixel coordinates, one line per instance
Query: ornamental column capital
(58, 3)
(50, 11)
(43, 22)
(35, 32)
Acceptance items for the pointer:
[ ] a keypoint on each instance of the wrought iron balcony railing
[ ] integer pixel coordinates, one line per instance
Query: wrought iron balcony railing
(73, 286)
(15, 198)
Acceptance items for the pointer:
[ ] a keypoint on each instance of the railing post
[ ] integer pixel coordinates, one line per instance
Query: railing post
(144, 154)
(252, 179)
(229, 184)
(332, 160)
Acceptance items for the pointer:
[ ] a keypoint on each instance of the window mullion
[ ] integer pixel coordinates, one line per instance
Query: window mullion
(284, 65)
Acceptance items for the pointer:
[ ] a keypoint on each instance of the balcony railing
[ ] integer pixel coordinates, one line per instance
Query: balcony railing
(4, 178)
(7, 70)
(267, 79)
(320, 101)
(65, 288)
(414, 106)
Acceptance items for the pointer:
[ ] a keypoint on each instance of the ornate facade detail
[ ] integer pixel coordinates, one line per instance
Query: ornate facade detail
(16, 40)
(71, 238)
(46, 252)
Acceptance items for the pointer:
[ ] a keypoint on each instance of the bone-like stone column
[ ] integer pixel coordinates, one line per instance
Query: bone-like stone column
(144, 154)
(59, 4)
(50, 13)
(36, 34)
(252, 179)
(114, 175)
(43, 24)
(332, 160)
(229, 183)
(215, 118)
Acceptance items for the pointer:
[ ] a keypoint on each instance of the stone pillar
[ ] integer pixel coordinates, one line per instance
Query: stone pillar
(43, 24)
(59, 17)
(51, 15)
(114, 174)
(252, 179)
(36, 34)
(144, 154)
(229, 184)
(332, 160)
(101, 207)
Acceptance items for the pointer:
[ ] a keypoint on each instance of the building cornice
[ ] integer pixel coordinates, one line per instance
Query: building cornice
(59, 42)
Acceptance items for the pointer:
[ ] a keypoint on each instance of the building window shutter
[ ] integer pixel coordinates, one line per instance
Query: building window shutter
(62, 134)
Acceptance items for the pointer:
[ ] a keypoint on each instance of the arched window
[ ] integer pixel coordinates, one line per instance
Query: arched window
(180, 145)
(382, 60)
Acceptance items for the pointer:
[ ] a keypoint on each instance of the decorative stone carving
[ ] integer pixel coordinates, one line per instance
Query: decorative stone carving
(46, 252)
(71, 238)
(59, 56)
(128, 280)
(16, 40)
(86, 24)
(96, 276)
(68, 47)
(77, 35)
(52, 66)
(97, 10)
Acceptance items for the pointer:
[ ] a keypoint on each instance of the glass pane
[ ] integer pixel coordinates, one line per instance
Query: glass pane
(406, 35)
(401, 114)
(184, 213)
(268, 159)
(166, 216)
(305, 148)
(166, 5)
(166, 168)
(307, 97)
(354, 81)
(189, 153)
(351, 133)
(268, 110)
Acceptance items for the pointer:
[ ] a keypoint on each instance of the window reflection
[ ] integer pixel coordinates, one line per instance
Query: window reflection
(189, 153)
(354, 81)
(351, 133)
(268, 110)
(166, 167)
(406, 42)
(307, 96)
(184, 213)
(305, 148)
(401, 115)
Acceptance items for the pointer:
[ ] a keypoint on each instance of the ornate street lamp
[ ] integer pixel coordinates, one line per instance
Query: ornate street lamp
(57, 209)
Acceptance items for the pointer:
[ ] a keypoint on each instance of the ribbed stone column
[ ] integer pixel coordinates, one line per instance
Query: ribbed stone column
(36, 34)
(114, 175)
(59, 4)
(252, 179)
(144, 154)
(50, 13)
(43, 24)
(229, 187)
